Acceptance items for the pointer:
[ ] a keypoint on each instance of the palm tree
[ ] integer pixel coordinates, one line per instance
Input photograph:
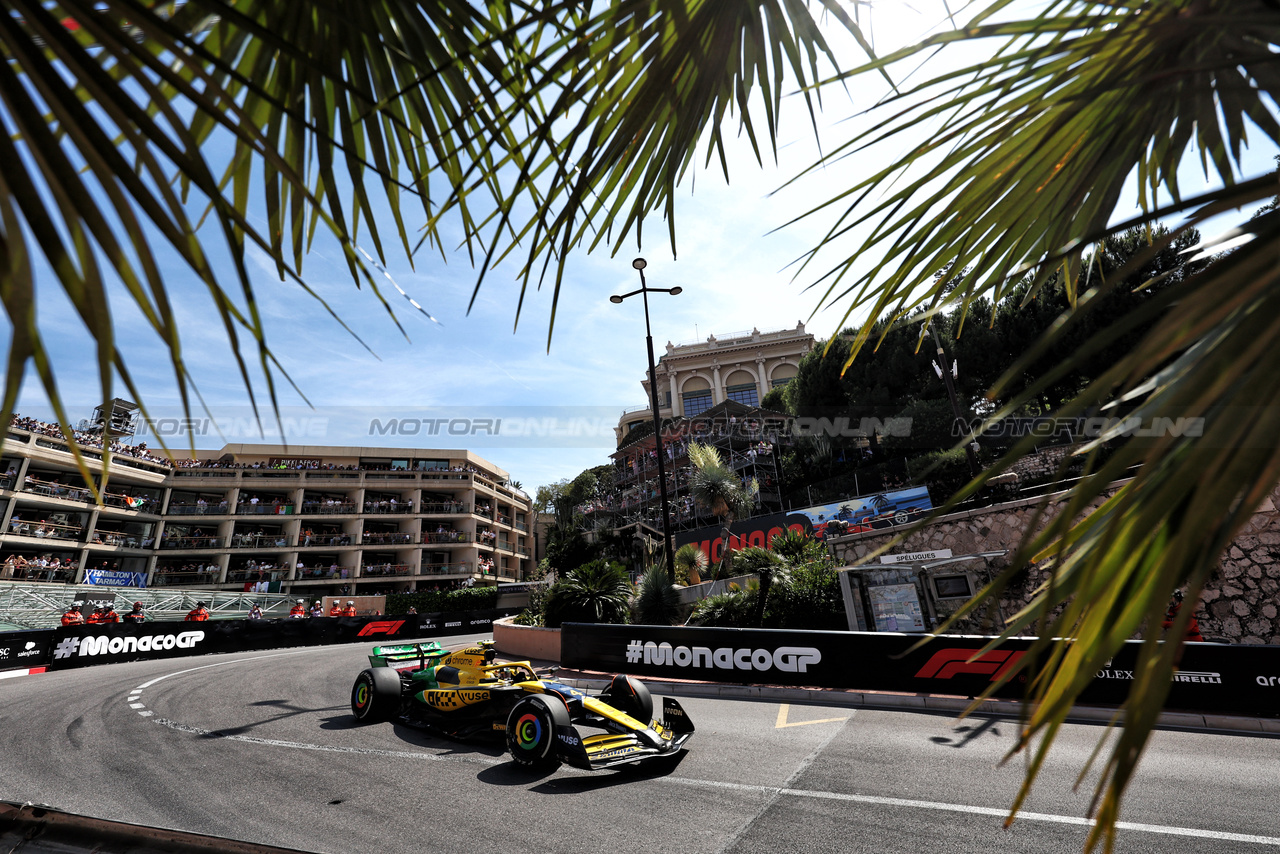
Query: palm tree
(717, 488)
(479, 113)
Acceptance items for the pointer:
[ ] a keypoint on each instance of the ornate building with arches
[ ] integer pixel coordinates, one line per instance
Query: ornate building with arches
(741, 367)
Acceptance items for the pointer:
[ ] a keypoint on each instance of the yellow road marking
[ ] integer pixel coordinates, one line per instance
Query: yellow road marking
(782, 719)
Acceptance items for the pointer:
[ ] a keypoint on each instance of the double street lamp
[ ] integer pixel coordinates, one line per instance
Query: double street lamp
(644, 291)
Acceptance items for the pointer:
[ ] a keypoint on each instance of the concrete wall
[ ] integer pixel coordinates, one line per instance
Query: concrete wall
(1239, 604)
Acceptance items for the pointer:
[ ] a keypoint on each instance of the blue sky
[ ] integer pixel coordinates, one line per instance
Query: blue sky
(732, 266)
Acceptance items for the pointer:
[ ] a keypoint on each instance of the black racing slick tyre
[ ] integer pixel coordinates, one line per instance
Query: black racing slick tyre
(631, 697)
(375, 696)
(531, 731)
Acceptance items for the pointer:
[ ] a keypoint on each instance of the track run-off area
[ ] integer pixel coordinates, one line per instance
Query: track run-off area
(262, 747)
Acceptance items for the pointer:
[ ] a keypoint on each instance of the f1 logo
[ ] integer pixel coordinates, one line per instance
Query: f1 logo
(947, 663)
(381, 627)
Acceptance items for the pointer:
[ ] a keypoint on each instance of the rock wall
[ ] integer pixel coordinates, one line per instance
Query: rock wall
(1239, 604)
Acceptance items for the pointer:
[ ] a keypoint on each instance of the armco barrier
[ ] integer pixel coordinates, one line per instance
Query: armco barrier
(82, 646)
(1231, 679)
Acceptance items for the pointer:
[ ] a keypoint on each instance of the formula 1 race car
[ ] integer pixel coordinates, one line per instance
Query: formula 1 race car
(468, 694)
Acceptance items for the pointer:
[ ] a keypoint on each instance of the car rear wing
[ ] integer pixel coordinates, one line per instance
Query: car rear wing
(399, 655)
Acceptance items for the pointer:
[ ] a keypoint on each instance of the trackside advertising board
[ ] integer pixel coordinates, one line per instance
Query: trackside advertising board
(1236, 679)
(83, 646)
(21, 650)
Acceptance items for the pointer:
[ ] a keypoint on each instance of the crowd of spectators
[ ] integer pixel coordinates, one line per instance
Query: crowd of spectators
(86, 439)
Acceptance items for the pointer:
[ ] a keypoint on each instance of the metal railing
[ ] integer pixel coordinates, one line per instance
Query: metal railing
(262, 509)
(41, 606)
(219, 509)
(446, 537)
(316, 508)
(180, 542)
(386, 537)
(260, 541)
(385, 570)
(445, 507)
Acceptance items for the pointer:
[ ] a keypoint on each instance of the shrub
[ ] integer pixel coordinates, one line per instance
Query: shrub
(466, 599)
(732, 610)
(657, 600)
(596, 592)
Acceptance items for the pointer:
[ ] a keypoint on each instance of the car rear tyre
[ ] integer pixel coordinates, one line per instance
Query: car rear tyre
(375, 696)
(630, 696)
(531, 731)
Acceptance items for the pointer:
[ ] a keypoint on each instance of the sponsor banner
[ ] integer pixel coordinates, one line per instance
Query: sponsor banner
(1239, 679)
(869, 512)
(82, 646)
(115, 578)
(759, 531)
(438, 624)
(25, 650)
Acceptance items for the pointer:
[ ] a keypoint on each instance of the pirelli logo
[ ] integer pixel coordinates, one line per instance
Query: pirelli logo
(380, 627)
(949, 663)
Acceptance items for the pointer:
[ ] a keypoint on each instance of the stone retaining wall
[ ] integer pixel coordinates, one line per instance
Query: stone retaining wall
(1239, 603)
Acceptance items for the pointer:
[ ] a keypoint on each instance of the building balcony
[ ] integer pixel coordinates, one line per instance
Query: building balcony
(220, 509)
(386, 538)
(388, 507)
(321, 508)
(385, 570)
(452, 508)
(260, 541)
(264, 509)
(183, 579)
(446, 537)
(46, 531)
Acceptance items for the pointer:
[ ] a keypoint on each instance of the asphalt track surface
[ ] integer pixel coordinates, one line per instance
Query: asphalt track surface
(261, 747)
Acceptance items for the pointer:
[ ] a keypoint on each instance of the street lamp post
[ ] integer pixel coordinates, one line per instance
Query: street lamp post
(644, 291)
(946, 372)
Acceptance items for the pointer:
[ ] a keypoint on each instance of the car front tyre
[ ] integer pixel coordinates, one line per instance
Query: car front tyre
(531, 731)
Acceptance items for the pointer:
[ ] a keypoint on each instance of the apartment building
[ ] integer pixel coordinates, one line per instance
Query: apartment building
(311, 521)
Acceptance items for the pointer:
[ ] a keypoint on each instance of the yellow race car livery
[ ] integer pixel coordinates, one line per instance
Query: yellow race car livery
(468, 693)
